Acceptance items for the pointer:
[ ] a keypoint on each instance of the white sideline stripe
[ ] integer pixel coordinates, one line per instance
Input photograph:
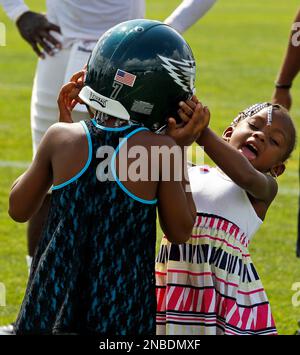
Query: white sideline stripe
(287, 191)
(15, 86)
(291, 173)
(14, 164)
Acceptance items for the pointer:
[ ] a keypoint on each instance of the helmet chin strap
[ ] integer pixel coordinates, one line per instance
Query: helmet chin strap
(161, 130)
(102, 117)
(118, 122)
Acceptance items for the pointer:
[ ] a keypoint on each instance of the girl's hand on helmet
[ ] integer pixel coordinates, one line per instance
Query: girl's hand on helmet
(195, 119)
(68, 97)
(187, 108)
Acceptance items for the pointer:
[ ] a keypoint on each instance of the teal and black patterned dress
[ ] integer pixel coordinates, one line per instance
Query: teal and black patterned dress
(93, 272)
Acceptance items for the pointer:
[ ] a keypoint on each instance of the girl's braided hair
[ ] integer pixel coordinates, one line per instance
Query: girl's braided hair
(254, 109)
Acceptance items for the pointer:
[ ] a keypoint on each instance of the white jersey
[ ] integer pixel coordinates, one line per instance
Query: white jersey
(187, 13)
(216, 194)
(86, 20)
(89, 19)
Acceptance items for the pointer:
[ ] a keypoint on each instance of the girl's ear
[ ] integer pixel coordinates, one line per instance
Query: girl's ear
(277, 170)
(227, 133)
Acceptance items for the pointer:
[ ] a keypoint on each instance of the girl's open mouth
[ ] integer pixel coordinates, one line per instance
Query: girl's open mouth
(249, 151)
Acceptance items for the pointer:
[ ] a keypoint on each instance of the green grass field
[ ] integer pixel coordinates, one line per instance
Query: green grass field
(238, 46)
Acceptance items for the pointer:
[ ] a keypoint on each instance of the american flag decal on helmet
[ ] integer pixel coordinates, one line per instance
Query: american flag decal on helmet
(183, 72)
(125, 78)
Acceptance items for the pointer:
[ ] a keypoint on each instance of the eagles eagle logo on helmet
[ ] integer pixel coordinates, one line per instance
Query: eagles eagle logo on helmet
(183, 72)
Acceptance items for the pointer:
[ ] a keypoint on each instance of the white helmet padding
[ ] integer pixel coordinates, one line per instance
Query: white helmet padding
(103, 104)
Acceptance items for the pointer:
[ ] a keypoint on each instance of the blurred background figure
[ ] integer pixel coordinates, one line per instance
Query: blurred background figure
(282, 94)
(288, 72)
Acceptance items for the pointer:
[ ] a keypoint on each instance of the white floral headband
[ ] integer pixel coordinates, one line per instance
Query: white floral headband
(253, 110)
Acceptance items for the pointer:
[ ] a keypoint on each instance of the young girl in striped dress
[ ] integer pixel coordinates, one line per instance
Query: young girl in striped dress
(209, 284)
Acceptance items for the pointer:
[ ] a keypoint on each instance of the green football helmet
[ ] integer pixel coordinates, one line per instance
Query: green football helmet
(139, 71)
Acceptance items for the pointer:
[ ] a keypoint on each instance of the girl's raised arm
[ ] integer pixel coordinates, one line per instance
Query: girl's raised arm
(259, 185)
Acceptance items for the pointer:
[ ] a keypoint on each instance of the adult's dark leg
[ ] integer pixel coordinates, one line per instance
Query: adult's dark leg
(298, 238)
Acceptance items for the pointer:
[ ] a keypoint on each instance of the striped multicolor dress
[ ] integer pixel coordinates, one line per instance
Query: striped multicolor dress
(209, 284)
